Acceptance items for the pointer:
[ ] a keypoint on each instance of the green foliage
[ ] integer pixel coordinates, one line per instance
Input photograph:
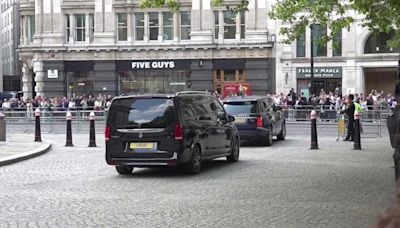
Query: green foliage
(171, 4)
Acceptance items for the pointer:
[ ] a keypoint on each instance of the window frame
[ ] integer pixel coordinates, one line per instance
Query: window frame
(139, 25)
(155, 27)
(183, 26)
(122, 27)
(170, 26)
(227, 13)
(80, 29)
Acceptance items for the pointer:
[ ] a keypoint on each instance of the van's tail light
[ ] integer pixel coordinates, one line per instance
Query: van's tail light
(107, 133)
(178, 133)
(259, 121)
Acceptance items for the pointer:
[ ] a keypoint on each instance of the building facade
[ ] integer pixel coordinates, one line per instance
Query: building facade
(359, 62)
(71, 47)
(9, 41)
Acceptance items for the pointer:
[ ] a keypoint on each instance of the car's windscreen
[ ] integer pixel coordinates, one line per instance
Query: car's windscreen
(142, 113)
(240, 107)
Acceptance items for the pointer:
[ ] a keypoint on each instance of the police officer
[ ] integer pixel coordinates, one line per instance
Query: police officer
(350, 113)
(393, 124)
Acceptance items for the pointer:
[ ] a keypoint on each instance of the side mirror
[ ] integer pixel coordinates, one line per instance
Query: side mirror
(231, 119)
(221, 115)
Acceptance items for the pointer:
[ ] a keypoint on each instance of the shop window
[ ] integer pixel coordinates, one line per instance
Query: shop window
(229, 24)
(231, 76)
(139, 26)
(153, 26)
(80, 27)
(337, 46)
(185, 25)
(301, 46)
(122, 24)
(377, 43)
(319, 31)
(167, 26)
(80, 83)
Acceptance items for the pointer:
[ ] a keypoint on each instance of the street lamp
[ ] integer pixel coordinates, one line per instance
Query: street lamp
(312, 62)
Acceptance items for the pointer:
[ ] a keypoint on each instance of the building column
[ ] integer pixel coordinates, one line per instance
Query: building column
(71, 28)
(129, 25)
(87, 28)
(160, 27)
(221, 27)
(146, 27)
(237, 35)
(39, 77)
(27, 80)
(176, 27)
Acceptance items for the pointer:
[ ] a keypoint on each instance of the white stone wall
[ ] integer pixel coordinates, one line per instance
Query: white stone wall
(353, 60)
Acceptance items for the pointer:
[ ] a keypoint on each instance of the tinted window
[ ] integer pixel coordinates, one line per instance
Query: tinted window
(241, 107)
(142, 113)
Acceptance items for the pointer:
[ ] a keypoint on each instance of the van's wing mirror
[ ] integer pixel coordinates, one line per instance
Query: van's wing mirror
(231, 119)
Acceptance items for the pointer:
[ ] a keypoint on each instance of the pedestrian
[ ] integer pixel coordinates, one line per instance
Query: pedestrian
(349, 111)
(393, 124)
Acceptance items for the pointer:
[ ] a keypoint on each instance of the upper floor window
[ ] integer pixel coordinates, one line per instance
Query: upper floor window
(167, 26)
(30, 28)
(139, 26)
(91, 31)
(229, 25)
(242, 25)
(216, 24)
(337, 46)
(153, 26)
(122, 27)
(80, 27)
(68, 27)
(301, 46)
(185, 25)
(377, 43)
(318, 31)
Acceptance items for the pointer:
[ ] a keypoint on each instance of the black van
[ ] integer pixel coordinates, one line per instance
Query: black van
(169, 130)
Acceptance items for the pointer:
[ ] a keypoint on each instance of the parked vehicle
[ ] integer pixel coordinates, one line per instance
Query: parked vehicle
(169, 130)
(256, 118)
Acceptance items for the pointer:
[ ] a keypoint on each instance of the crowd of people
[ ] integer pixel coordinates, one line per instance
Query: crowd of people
(83, 102)
(325, 100)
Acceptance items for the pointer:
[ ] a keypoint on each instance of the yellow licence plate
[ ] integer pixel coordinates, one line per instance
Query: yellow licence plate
(141, 145)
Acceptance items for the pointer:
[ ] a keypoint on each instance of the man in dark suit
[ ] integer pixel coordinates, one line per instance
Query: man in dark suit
(393, 124)
(349, 111)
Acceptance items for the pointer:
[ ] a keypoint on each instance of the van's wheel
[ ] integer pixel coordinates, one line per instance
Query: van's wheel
(282, 135)
(124, 169)
(234, 156)
(194, 166)
(269, 138)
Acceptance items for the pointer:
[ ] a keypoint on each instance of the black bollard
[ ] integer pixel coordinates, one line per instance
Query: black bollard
(38, 135)
(357, 131)
(92, 137)
(68, 117)
(314, 139)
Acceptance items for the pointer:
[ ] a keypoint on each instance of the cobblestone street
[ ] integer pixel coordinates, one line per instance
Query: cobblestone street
(286, 185)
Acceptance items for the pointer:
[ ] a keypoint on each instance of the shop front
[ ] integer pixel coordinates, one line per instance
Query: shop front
(327, 79)
(153, 76)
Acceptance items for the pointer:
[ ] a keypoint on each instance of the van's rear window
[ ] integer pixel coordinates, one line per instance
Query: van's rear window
(240, 107)
(142, 113)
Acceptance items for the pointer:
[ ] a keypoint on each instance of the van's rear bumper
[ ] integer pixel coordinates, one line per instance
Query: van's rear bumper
(144, 162)
(259, 133)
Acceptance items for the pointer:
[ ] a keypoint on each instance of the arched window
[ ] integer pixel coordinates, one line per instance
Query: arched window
(377, 43)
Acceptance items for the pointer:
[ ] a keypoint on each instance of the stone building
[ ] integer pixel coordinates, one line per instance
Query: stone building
(360, 62)
(10, 75)
(113, 46)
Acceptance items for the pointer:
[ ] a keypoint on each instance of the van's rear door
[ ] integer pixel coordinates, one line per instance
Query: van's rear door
(245, 113)
(142, 127)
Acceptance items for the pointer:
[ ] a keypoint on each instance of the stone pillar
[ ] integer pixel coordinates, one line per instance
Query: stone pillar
(104, 22)
(71, 28)
(146, 27)
(39, 77)
(27, 80)
(237, 35)
(160, 27)
(129, 25)
(221, 26)
(38, 21)
(176, 27)
(87, 28)
(202, 22)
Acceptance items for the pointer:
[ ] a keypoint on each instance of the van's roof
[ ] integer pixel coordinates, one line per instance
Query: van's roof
(243, 98)
(162, 95)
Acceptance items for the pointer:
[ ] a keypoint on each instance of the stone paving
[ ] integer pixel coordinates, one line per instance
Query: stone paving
(286, 185)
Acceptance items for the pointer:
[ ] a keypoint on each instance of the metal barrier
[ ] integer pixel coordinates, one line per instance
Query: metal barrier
(52, 121)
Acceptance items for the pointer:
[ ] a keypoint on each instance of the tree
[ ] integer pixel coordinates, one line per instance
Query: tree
(380, 15)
